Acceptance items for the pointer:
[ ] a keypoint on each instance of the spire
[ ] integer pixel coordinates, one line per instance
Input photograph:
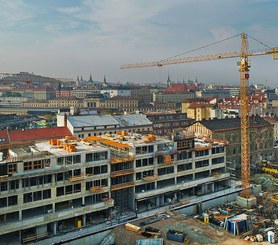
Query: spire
(105, 84)
(81, 79)
(77, 78)
(91, 79)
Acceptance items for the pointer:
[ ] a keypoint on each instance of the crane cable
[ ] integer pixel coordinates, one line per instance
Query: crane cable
(205, 46)
(260, 42)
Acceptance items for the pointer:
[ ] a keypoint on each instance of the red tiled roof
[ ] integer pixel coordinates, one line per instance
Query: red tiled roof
(36, 134)
(4, 138)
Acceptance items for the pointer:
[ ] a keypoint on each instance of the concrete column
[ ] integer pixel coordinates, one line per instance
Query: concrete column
(84, 219)
(83, 200)
(54, 228)
(53, 207)
(20, 215)
(212, 187)
(162, 200)
(19, 236)
(157, 202)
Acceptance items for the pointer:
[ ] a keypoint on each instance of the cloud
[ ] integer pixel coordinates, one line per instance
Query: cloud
(13, 12)
(69, 10)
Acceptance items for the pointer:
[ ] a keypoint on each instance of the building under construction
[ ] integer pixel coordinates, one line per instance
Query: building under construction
(55, 186)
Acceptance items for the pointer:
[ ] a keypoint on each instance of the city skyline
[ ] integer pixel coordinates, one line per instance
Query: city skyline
(70, 38)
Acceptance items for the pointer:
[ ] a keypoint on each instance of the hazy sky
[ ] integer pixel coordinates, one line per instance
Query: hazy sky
(66, 38)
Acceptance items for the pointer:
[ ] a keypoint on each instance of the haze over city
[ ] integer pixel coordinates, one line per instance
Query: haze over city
(74, 37)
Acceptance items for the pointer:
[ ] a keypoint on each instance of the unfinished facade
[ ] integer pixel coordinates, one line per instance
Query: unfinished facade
(46, 185)
(50, 186)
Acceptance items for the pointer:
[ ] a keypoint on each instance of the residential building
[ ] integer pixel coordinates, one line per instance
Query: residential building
(218, 93)
(274, 121)
(12, 101)
(143, 94)
(166, 123)
(45, 186)
(121, 103)
(187, 102)
(82, 93)
(63, 102)
(93, 125)
(64, 93)
(109, 93)
(177, 97)
(51, 187)
(200, 111)
(261, 139)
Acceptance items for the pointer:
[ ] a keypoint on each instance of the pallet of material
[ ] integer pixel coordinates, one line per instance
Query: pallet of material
(131, 227)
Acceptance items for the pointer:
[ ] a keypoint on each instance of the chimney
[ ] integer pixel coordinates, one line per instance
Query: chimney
(65, 120)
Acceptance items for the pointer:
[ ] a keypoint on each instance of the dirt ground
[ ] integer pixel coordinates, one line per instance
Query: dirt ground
(198, 232)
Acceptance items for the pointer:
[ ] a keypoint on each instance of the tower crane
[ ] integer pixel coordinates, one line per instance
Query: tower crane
(244, 66)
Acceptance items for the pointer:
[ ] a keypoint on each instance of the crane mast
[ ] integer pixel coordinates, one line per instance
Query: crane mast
(244, 116)
(244, 66)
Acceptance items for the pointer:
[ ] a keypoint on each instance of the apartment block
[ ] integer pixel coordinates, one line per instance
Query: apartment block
(56, 186)
(51, 183)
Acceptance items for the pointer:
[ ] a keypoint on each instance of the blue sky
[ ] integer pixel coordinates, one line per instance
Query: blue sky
(66, 38)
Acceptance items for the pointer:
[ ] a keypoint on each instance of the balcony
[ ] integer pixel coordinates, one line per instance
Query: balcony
(97, 189)
(115, 159)
(122, 186)
(150, 178)
(122, 172)
(77, 178)
(180, 186)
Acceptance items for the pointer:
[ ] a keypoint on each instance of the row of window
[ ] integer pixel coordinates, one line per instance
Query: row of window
(36, 196)
(8, 201)
(144, 162)
(144, 149)
(201, 153)
(217, 150)
(66, 190)
(37, 164)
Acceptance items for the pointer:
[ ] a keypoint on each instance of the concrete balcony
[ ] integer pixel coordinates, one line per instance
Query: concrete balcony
(122, 186)
(116, 159)
(150, 178)
(181, 186)
(77, 178)
(48, 218)
(122, 172)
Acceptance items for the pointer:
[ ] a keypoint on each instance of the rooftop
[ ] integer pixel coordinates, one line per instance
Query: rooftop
(232, 123)
(92, 120)
(35, 134)
(133, 120)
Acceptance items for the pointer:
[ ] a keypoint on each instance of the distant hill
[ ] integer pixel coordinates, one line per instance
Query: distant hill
(27, 77)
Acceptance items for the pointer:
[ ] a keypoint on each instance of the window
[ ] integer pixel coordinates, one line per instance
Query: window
(163, 171)
(3, 186)
(217, 150)
(183, 167)
(201, 153)
(184, 155)
(12, 168)
(60, 161)
(201, 164)
(27, 166)
(217, 160)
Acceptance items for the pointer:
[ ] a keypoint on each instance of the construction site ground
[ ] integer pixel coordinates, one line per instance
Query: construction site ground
(197, 231)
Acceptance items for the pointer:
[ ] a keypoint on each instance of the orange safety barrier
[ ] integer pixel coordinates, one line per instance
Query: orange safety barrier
(108, 142)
